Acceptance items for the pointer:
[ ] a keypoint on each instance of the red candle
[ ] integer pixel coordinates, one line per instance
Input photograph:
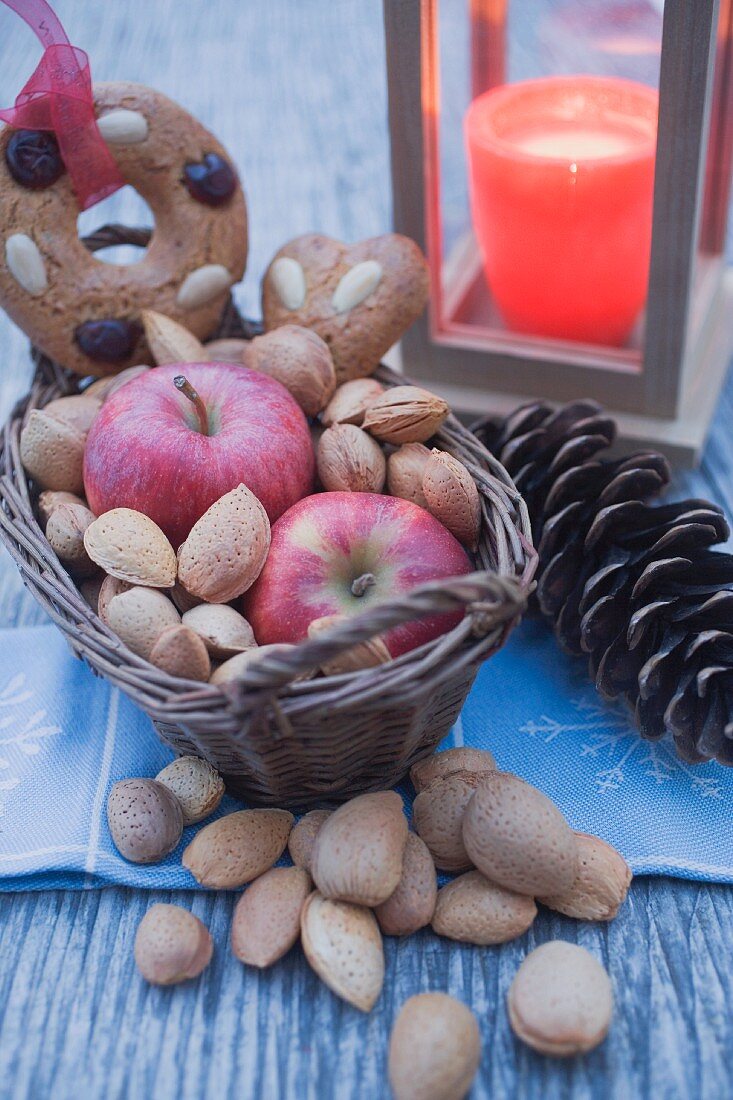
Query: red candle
(561, 179)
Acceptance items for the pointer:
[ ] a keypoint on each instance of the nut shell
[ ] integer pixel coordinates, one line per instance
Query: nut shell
(452, 497)
(350, 461)
(65, 533)
(343, 944)
(266, 920)
(171, 945)
(129, 545)
(358, 852)
(226, 350)
(303, 837)
(437, 815)
(77, 411)
(518, 838)
(111, 587)
(405, 414)
(434, 1049)
(237, 848)
(198, 787)
(138, 617)
(145, 820)
(405, 471)
(442, 764)
(560, 1001)
(52, 452)
(231, 671)
(51, 498)
(300, 360)
(471, 909)
(105, 387)
(170, 342)
(412, 904)
(351, 401)
(366, 654)
(601, 883)
(223, 630)
(225, 549)
(180, 652)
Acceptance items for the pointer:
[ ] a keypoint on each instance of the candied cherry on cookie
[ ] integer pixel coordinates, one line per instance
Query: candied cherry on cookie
(85, 313)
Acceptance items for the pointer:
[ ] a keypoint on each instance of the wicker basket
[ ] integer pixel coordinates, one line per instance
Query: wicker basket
(278, 740)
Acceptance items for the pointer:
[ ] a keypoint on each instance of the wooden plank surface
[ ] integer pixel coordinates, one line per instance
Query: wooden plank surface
(297, 92)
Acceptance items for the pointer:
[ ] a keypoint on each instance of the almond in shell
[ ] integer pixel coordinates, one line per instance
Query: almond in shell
(601, 883)
(266, 921)
(138, 617)
(434, 1049)
(412, 904)
(145, 820)
(442, 764)
(437, 815)
(226, 350)
(300, 360)
(171, 945)
(65, 533)
(111, 587)
(366, 654)
(405, 414)
(170, 342)
(50, 499)
(223, 630)
(198, 787)
(180, 652)
(129, 545)
(471, 909)
(238, 847)
(303, 837)
(226, 549)
(405, 471)
(105, 387)
(518, 838)
(77, 411)
(350, 461)
(233, 669)
(343, 944)
(52, 452)
(351, 400)
(452, 497)
(358, 852)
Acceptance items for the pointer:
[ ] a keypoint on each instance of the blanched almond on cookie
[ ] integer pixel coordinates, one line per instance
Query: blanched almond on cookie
(65, 533)
(138, 616)
(303, 837)
(405, 470)
(350, 461)
(434, 1049)
(130, 546)
(238, 847)
(471, 909)
(343, 944)
(297, 358)
(170, 342)
(452, 497)
(223, 630)
(412, 904)
(358, 851)
(518, 838)
(405, 414)
(437, 814)
(351, 401)
(442, 764)
(266, 921)
(226, 549)
(180, 652)
(52, 452)
(601, 883)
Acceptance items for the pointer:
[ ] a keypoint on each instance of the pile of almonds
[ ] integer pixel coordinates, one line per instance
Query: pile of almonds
(172, 608)
(359, 873)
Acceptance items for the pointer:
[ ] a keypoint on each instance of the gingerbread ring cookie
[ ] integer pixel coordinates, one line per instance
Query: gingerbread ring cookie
(85, 313)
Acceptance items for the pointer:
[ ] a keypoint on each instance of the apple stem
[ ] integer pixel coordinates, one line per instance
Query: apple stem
(184, 386)
(360, 585)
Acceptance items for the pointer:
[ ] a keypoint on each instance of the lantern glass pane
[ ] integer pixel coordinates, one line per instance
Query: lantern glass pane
(541, 126)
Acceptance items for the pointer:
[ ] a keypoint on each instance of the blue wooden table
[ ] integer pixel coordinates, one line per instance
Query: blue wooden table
(297, 91)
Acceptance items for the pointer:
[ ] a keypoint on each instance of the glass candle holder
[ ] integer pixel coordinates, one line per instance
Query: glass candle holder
(561, 174)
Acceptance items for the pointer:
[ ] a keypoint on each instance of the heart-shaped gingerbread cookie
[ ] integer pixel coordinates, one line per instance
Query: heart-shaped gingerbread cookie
(359, 298)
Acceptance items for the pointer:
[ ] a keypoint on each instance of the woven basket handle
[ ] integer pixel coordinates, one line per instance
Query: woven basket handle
(492, 600)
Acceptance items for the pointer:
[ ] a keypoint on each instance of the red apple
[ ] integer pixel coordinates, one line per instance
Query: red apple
(325, 543)
(153, 449)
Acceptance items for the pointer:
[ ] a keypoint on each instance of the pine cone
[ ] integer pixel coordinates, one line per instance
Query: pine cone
(635, 587)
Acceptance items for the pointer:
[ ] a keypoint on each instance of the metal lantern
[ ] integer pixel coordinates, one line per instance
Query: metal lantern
(525, 298)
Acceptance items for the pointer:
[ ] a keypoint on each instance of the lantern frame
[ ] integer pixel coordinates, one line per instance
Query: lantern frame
(665, 396)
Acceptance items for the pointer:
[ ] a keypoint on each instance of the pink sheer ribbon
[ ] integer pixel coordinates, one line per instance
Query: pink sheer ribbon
(58, 97)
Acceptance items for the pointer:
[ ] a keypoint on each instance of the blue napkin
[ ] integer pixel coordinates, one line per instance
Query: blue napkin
(65, 737)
